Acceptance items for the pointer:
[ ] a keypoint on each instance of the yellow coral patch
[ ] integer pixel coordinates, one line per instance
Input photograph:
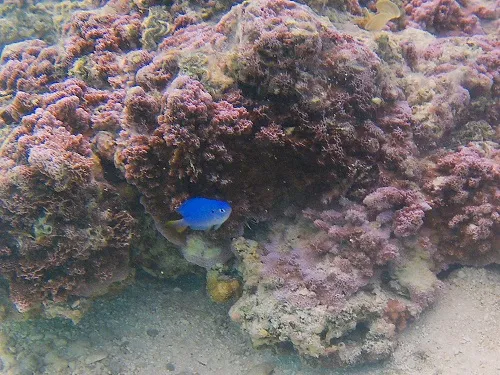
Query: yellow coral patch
(221, 288)
(386, 11)
(387, 7)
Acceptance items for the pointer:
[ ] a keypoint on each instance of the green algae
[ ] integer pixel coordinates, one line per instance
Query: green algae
(38, 20)
(155, 27)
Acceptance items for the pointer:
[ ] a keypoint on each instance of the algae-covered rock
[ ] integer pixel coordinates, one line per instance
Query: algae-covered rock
(155, 27)
(35, 19)
(74, 311)
(418, 280)
(283, 297)
(473, 131)
(203, 253)
(220, 287)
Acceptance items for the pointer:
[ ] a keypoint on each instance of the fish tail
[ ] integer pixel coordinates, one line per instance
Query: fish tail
(179, 225)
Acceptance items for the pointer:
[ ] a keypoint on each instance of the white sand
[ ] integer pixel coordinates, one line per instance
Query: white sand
(461, 334)
(157, 328)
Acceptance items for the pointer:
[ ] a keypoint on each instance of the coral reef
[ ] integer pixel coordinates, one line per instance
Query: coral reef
(196, 138)
(323, 290)
(66, 231)
(445, 83)
(448, 16)
(28, 66)
(358, 163)
(22, 20)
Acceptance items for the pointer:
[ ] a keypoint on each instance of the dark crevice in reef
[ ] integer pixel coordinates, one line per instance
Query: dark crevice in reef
(285, 347)
(257, 231)
(493, 267)
(444, 274)
(358, 334)
(111, 173)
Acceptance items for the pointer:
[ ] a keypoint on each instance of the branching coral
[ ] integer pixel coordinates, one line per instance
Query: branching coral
(330, 266)
(87, 246)
(67, 232)
(464, 187)
(28, 66)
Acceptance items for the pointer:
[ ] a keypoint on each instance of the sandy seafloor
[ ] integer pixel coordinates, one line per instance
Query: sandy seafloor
(160, 327)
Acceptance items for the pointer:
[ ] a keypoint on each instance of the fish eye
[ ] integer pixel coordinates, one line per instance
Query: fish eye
(222, 210)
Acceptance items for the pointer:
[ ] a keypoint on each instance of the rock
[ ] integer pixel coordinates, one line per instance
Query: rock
(170, 366)
(152, 332)
(96, 357)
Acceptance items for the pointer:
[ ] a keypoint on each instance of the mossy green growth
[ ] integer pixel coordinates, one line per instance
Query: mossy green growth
(388, 49)
(42, 227)
(36, 20)
(155, 27)
(87, 70)
(208, 69)
(203, 253)
(194, 65)
(473, 131)
(80, 69)
(17, 24)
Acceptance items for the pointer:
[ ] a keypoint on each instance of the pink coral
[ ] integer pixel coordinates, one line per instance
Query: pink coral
(405, 208)
(442, 16)
(61, 220)
(28, 66)
(91, 31)
(466, 204)
(216, 107)
(329, 266)
(220, 143)
(189, 137)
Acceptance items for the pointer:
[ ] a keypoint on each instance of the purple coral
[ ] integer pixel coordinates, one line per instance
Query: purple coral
(442, 16)
(222, 143)
(190, 137)
(28, 66)
(466, 201)
(406, 208)
(331, 265)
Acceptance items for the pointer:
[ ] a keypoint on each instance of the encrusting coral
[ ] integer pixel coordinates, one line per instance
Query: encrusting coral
(322, 284)
(222, 288)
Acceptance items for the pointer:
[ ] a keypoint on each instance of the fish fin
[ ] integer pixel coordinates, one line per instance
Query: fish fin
(179, 225)
(170, 233)
(175, 237)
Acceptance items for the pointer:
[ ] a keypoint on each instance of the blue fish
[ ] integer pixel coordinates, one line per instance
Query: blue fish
(201, 214)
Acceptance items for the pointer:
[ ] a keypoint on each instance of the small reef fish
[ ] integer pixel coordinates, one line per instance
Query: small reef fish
(201, 214)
